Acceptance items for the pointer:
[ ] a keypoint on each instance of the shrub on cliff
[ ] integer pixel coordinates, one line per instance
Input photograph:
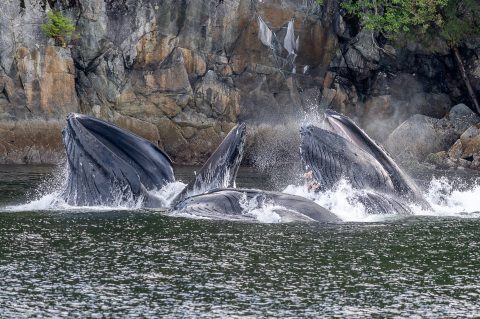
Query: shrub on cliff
(58, 27)
(453, 20)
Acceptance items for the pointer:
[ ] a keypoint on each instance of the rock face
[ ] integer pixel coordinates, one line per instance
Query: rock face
(465, 153)
(419, 136)
(193, 69)
(31, 141)
(182, 73)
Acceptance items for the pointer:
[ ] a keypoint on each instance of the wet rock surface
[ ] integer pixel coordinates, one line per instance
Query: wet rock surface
(182, 73)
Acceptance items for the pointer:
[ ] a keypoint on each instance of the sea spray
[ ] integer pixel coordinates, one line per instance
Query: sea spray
(453, 197)
(259, 209)
(48, 196)
(338, 200)
(448, 197)
(168, 193)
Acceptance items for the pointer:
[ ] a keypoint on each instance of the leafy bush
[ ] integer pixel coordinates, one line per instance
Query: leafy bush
(58, 27)
(455, 21)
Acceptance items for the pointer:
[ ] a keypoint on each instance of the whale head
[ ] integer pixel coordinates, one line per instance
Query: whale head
(345, 127)
(331, 158)
(109, 165)
(220, 169)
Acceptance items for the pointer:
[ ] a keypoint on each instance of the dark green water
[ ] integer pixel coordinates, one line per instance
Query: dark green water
(130, 264)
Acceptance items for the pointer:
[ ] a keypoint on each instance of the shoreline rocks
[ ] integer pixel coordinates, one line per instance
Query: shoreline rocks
(182, 73)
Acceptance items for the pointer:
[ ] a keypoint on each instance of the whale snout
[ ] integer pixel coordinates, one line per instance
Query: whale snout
(74, 116)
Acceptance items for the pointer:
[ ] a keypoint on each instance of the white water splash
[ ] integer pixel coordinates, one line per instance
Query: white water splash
(260, 210)
(453, 198)
(168, 193)
(338, 201)
(52, 200)
(447, 198)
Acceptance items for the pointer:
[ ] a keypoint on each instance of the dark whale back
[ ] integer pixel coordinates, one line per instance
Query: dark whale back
(109, 165)
(235, 204)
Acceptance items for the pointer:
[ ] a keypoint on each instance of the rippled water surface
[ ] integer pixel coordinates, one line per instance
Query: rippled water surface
(144, 264)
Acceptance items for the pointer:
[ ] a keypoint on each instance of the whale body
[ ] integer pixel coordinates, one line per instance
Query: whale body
(110, 166)
(402, 183)
(344, 151)
(237, 204)
(220, 169)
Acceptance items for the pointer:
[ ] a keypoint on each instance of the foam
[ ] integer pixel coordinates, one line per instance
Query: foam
(448, 198)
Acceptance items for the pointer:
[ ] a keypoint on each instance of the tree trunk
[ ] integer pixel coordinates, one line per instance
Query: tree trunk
(466, 80)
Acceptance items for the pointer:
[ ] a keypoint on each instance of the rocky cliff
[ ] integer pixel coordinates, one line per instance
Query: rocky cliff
(182, 73)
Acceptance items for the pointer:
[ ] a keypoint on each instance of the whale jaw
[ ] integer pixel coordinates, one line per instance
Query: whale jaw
(109, 165)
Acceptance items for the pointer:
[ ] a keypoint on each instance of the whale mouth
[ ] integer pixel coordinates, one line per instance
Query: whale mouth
(104, 159)
(220, 169)
(318, 149)
(368, 155)
(337, 123)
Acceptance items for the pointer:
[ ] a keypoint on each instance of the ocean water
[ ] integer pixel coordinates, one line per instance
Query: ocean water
(123, 262)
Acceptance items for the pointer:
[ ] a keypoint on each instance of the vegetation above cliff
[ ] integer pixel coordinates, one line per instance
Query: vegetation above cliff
(455, 21)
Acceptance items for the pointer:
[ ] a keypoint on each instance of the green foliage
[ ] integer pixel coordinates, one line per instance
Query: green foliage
(461, 21)
(58, 27)
(453, 20)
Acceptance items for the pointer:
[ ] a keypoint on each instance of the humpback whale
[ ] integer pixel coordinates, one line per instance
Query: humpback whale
(346, 128)
(235, 204)
(211, 195)
(111, 166)
(346, 151)
(220, 169)
(331, 158)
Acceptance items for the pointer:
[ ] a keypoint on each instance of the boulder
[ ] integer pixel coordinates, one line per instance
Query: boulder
(419, 136)
(382, 114)
(397, 98)
(465, 153)
(462, 117)
(470, 140)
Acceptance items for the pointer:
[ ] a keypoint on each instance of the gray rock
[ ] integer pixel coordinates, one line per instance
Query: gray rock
(419, 136)
(465, 153)
(462, 117)
(367, 46)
